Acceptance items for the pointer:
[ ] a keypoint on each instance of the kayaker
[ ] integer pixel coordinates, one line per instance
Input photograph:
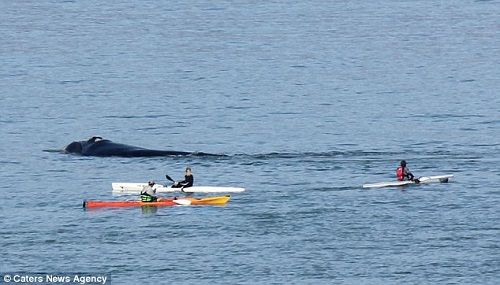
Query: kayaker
(148, 193)
(188, 179)
(403, 173)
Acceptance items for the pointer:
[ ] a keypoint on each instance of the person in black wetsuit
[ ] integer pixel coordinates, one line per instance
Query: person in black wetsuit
(188, 180)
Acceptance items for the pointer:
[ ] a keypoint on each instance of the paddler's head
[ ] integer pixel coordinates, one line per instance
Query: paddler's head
(188, 171)
(151, 183)
(403, 163)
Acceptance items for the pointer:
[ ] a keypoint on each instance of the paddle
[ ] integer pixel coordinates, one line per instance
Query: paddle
(182, 202)
(169, 178)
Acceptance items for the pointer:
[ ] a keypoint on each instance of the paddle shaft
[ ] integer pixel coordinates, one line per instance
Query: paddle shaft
(182, 188)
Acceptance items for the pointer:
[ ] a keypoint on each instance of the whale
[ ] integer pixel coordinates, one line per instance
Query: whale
(97, 146)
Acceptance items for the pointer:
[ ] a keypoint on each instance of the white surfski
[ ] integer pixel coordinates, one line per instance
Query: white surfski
(423, 180)
(136, 188)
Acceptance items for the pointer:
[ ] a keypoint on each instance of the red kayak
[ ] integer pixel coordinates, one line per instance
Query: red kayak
(216, 200)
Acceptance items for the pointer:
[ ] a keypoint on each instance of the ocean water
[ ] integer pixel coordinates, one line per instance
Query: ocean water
(308, 100)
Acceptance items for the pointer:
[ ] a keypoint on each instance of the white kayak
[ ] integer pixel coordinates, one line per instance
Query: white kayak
(136, 188)
(423, 180)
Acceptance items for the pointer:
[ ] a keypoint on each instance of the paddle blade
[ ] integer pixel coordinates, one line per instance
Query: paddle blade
(169, 178)
(183, 202)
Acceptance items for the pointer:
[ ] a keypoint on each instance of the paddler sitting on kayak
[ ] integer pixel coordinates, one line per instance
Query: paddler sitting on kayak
(148, 193)
(188, 180)
(403, 173)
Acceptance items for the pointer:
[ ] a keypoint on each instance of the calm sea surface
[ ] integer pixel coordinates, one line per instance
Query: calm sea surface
(308, 100)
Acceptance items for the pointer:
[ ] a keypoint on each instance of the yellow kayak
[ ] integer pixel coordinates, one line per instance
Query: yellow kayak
(214, 200)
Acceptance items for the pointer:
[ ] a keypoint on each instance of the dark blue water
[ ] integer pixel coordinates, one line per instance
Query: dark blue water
(308, 100)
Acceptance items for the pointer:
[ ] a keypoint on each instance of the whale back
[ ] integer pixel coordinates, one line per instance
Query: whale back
(109, 148)
(96, 146)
